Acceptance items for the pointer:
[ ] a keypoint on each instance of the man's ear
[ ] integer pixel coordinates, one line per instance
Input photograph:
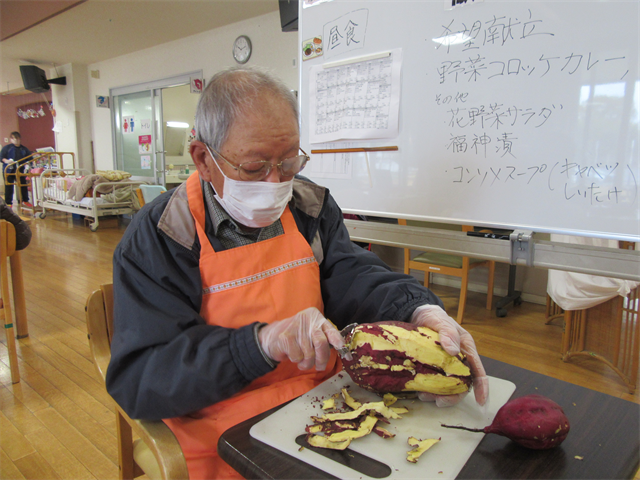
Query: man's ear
(199, 155)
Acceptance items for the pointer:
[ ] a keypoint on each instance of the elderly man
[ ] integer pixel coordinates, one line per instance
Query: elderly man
(223, 286)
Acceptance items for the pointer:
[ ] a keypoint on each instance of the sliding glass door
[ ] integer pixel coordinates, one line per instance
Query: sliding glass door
(140, 133)
(135, 135)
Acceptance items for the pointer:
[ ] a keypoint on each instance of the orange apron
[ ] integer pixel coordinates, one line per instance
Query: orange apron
(266, 281)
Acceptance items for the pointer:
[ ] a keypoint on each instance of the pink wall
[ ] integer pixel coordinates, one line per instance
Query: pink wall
(35, 125)
(9, 118)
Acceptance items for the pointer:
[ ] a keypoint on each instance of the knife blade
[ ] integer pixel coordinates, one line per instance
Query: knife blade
(346, 333)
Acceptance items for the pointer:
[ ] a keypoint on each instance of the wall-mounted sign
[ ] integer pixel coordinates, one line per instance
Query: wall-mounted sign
(144, 144)
(128, 124)
(145, 125)
(197, 85)
(102, 101)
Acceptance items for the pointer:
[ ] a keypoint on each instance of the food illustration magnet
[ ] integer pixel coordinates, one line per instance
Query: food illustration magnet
(312, 48)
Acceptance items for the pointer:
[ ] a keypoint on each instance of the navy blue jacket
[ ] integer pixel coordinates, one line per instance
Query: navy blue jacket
(166, 361)
(12, 152)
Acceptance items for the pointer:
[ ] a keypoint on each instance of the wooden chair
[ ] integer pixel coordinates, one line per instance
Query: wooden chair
(453, 265)
(553, 311)
(8, 248)
(140, 197)
(608, 332)
(156, 453)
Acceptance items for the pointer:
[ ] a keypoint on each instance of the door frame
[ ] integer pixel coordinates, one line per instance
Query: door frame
(154, 88)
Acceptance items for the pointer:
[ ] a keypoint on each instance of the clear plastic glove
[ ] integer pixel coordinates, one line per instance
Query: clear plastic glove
(453, 339)
(304, 339)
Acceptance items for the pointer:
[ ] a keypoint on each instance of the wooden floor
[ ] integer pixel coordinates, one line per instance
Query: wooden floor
(58, 423)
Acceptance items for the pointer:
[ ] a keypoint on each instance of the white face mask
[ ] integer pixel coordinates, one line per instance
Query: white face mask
(253, 204)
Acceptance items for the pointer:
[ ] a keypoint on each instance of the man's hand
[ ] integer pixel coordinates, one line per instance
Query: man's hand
(304, 339)
(454, 339)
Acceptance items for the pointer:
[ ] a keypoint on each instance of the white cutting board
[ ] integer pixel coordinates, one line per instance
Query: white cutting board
(443, 461)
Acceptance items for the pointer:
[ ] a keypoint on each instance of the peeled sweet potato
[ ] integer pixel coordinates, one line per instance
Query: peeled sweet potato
(393, 357)
(533, 421)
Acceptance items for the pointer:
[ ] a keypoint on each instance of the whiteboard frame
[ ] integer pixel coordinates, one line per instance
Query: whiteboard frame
(525, 225)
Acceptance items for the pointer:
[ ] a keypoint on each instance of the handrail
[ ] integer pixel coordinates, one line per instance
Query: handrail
(65, 171)
(17, 175)
(32, 159)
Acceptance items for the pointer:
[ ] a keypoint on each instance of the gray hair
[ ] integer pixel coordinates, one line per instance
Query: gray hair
(231, 93)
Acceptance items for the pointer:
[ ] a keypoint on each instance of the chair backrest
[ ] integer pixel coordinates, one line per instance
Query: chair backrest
(99, 313)
(140, 197)
(157, 452)
(627, 245)
(150, 192)
(439, 226)
(7, 239)
(8, 248)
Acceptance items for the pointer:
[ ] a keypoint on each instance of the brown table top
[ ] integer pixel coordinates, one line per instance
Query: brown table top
(605, 433)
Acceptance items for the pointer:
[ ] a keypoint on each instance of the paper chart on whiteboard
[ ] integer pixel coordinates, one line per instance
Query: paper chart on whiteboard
(332, 165)
(359, 100)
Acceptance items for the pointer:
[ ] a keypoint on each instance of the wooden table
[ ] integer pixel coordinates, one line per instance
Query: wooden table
(604, 434)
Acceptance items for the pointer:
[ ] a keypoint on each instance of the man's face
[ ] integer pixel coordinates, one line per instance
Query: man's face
(15, 141)
(268, 132)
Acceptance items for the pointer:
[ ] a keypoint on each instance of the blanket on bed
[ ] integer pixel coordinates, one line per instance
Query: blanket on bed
(80, 187)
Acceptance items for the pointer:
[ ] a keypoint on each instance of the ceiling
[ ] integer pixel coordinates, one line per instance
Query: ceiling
(49, 32)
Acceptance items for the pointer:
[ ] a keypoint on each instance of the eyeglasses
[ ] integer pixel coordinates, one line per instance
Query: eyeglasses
(259, 170)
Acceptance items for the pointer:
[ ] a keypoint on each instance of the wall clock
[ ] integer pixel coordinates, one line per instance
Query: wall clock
(242, 49)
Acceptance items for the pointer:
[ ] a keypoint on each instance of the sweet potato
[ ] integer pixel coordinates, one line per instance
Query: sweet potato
(533, 421)
(394, 357)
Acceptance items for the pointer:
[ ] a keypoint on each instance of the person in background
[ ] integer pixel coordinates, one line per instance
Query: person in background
(23, 232)
(15, 151)
(223, 287)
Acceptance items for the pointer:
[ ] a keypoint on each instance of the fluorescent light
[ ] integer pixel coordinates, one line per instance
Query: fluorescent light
(178, 124)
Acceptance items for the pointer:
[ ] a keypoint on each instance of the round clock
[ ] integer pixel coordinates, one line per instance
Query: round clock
(242, 49)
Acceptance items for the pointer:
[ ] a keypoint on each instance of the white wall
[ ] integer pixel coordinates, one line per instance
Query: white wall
(71, 103)
(83, 117)
(209, 51)
(65, 118)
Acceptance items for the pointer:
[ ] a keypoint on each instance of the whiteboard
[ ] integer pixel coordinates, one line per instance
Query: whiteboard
(512, 114)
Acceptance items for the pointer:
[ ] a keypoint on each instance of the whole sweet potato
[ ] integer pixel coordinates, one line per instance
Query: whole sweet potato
(533, 421)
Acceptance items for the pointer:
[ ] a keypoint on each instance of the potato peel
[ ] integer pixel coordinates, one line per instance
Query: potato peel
(329, 404)
(364, 428)
(349, 400)
(377, 407)
(336, 430)
(324, 442)
(383, 432)
(389, 399)
(421, 447)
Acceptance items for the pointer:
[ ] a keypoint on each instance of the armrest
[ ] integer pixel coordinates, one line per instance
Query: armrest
(163, 444)
(165, 447)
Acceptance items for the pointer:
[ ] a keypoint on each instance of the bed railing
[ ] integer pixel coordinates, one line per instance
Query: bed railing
(55, 190)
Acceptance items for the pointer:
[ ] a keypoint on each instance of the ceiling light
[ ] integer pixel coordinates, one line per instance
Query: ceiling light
(178, 124)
